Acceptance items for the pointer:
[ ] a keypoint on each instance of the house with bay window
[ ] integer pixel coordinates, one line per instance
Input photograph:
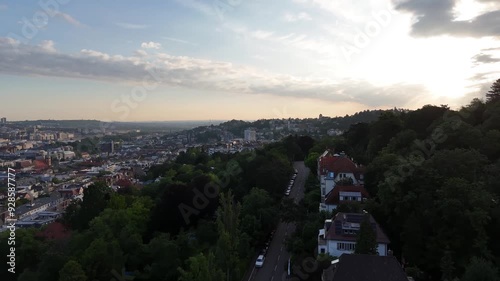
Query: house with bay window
(339, 234)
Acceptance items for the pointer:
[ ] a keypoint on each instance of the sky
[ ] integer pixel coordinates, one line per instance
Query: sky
(158, 60)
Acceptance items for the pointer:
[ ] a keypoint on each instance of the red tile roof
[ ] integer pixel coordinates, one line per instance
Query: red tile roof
(55, 230)
(339, 164)
(123, 183)
(40, 165)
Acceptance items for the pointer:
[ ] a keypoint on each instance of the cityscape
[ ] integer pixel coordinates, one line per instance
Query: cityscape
(232, 140)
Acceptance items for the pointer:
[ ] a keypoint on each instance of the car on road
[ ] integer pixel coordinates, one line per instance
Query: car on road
(296, 171)
(260, 261)
(287, 192)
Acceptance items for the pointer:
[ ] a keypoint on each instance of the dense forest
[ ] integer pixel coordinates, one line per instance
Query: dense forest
(204, 219)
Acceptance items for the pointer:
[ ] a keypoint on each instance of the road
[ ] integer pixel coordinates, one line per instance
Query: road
(274, 268)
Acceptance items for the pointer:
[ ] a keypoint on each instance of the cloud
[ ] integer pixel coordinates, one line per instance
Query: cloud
(302, 16)
(322, 46)
(151, 45)
(27, 60)
(485, 58)
(260, 34)
(202, 7)
(178, 40)
(140, 53)
(130, 25)
(66, 17)
(433, 18)
(47, 45)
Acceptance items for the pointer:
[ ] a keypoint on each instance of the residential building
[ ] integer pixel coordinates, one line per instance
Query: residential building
(341, 166)
(343, 195)
(339, 234)
(338, 169)
(108, 147)
(365, 268)
(250, 135)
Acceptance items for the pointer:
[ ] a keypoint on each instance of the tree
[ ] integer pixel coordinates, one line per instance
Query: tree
(494, 93)
(202, 268)
(312, 161)
(480, 270)
(95, 200)
(229, 233)
(366, 243)
(259, 205)
(447, 266)
(72, 271)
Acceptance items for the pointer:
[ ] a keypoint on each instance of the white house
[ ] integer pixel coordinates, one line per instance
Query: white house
(339, 234)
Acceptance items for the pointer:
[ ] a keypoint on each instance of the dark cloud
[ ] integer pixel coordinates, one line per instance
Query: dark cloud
(485, 58)
(27, 60)
(435, 17)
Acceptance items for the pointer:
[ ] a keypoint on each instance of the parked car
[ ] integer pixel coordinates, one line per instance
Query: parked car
(263, 252)
(260, 261)
(287, 192)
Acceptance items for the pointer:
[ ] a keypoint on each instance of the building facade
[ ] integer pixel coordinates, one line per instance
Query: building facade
(339, 235)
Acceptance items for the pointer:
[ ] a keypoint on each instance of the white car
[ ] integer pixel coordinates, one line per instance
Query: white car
(287, 192)
(260, 261)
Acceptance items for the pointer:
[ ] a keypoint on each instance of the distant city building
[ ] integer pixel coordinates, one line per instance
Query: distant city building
(250, 135)
(108, 147)
(3, 120)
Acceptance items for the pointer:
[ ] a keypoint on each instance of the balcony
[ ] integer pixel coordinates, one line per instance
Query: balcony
(321, 237)
(321, 241)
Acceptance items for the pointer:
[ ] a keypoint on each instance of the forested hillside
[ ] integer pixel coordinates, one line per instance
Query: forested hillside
(434, 175)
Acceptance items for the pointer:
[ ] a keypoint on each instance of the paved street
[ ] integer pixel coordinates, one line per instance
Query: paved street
(274, 268)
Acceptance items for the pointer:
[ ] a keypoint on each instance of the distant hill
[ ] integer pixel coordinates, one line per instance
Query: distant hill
(99, 125)
(324, 124)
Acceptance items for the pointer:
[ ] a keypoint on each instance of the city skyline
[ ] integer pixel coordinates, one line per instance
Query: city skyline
(184, 60)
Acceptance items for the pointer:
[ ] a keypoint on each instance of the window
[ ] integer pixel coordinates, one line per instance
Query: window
(346, 246)
(323, 250)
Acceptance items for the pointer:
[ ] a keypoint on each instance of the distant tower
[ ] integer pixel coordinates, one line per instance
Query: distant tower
(320, 116)
(3, 120)
(250, 135)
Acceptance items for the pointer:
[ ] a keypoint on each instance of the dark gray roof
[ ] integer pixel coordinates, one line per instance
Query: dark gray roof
(368, 268)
